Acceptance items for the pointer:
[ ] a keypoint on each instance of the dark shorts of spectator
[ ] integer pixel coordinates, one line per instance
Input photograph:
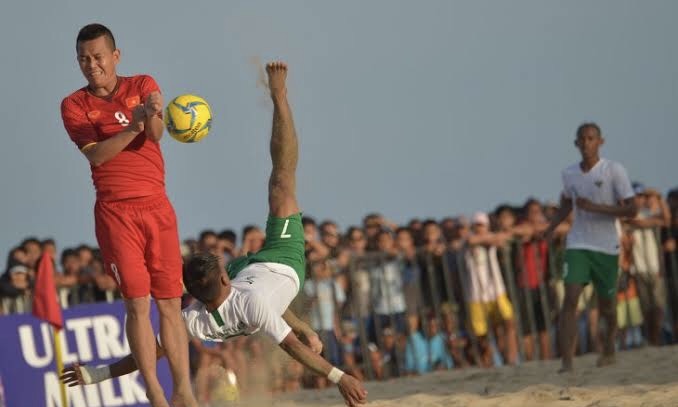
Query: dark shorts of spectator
(413, 302)
(394, 321)
(651, 291)
(331, 348)
(536, 305)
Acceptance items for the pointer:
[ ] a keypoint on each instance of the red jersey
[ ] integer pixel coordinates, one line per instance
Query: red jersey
(535, 260)
(139, 169)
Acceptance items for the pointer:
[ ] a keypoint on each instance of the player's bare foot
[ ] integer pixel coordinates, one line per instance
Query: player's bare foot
(606, 360)
(566, 367)
(277, 74)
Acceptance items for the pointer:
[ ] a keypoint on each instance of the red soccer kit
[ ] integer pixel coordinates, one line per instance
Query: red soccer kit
(135, 223)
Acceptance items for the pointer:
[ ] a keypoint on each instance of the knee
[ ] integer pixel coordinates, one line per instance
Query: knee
(138, 308)
(169, 308)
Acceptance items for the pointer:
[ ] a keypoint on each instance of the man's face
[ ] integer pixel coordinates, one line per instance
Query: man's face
(432, 233)
(256, 239)
(50, 248)
(330, 236)
(480, 228)
(535, 214)
(385, 242)
(404, 240)
(32, 253)
(357, 240)
(640, 200)
(208, 242)
(98, 61)
(588, 142)
(310, 232)
(372, 227)
(71, 265)
(85, 257)
(506, 219)
(432, 326)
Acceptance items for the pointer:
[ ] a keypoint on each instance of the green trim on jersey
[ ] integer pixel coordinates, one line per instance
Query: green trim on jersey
(217, 317)
(585, 266)
(284, 244)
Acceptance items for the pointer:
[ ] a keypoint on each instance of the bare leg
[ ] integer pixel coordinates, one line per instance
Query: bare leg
(284, 146)
(568, 325)
(545, 345)
(528, 344)
(142, 344)
(511, 342)
(608, 311)
(175, 342)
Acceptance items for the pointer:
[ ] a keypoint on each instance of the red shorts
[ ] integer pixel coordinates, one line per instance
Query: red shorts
(140, 246)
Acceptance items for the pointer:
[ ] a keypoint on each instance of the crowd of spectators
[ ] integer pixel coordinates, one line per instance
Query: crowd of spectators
(391, 300)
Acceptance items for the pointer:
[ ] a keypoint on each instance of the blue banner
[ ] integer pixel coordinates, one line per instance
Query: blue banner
(93, 334)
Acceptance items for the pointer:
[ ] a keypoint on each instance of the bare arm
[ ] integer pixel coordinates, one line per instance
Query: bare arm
(492, 239)
(350, 388)
(625, 209)
(78, 374)
(301, 329)
(103, 151)
(563, 212)
(153, 124)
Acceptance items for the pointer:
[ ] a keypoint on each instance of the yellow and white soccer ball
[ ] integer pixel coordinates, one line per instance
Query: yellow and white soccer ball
(188, 118)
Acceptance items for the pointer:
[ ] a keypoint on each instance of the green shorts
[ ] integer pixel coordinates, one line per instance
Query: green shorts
(284, 244)
(585, 266)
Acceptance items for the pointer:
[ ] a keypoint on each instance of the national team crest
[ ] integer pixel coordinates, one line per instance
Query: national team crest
(599, 183)
(93, 114)
(132, 101)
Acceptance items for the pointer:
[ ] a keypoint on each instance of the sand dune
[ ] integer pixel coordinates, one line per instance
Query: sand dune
(646, 377)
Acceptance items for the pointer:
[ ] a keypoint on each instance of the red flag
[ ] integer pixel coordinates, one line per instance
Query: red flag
(45, 305)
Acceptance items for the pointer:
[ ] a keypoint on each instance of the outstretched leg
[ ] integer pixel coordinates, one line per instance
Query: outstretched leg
(282, 199)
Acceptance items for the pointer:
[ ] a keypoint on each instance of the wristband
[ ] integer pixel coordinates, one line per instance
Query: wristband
(335, 375)
(91, 375)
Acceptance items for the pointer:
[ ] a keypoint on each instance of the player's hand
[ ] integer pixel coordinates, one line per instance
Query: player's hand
(72, 376)
(138, 119)
(585, 204)
(352, 390)
(153, 104)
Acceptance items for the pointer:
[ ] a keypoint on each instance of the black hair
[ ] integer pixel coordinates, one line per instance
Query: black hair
(94, 31)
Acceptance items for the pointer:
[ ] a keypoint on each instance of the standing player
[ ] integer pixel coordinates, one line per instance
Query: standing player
(600, 192)
(115, 122)
(258, 288)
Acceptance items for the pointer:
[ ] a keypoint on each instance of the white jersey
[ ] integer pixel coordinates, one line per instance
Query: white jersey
(606, 183)
(484, 282)
(260, 294)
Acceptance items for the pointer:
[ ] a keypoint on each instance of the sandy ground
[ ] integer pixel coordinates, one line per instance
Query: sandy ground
(641, 378)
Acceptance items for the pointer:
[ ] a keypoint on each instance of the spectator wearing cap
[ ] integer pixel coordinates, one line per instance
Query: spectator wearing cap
(486, 292)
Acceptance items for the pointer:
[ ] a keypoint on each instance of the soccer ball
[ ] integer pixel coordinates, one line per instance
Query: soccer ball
(188, 118)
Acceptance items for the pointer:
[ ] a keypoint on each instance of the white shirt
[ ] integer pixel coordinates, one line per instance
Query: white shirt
(606, 183)
(387, 288)
(645, 248)
(484, 282)
(260, 294)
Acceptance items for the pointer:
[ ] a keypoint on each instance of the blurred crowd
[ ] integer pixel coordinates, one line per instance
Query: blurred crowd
(391, 300)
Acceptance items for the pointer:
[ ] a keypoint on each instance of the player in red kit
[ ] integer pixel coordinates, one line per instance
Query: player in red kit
(116, 123)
